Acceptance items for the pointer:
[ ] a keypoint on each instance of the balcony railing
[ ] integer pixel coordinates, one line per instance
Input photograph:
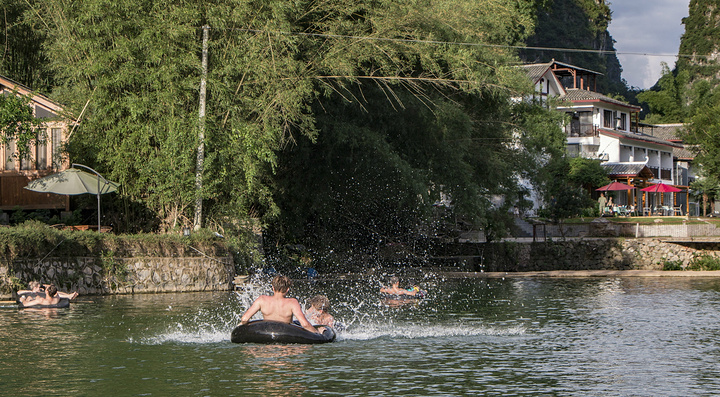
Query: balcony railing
(581, 130)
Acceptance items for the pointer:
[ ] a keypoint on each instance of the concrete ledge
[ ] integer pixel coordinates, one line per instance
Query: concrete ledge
(585, 273)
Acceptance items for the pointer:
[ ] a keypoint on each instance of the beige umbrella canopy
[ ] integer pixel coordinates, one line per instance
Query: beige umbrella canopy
(73, 181)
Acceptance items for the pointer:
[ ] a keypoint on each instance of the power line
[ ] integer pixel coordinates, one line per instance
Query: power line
(466, 44)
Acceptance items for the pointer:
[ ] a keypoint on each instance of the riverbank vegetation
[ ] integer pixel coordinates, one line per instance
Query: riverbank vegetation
(346, 126)
(36, 240)
(337, 125)
(700, 262)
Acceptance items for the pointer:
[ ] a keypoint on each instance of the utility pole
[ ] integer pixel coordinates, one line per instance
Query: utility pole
(197, 222)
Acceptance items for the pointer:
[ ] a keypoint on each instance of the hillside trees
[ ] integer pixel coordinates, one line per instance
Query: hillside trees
(22, 57)
(297, 91)
(668, 100)
(691, 94)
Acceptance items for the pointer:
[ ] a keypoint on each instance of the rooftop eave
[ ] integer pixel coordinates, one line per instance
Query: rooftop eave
(632, 108)
(638, 138)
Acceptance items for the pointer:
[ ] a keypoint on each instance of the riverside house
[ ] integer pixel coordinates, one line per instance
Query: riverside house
(44, 158)
(603, 128)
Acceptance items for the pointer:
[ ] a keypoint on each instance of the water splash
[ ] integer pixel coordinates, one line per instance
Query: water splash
(214, 324)
(356, 305)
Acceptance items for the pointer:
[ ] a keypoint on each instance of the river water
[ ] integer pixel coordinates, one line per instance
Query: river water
(495, 337)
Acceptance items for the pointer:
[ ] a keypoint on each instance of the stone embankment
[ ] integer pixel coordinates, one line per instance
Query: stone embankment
(577, 254)
(92, 275)
(147, 274)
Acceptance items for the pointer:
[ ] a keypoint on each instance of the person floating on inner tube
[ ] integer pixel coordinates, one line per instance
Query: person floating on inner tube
(277, 307)
(394, 288)
(38, 290)
(318, 311)
(49, 298)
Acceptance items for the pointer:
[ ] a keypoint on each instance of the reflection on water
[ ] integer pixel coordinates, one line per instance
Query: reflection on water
(273, 364)
(634, 336)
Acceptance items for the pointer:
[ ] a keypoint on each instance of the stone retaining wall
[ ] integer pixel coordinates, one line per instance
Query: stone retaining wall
(91, 275)
(588, 254)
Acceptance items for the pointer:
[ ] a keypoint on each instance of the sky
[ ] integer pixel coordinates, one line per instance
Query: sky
(647, 27)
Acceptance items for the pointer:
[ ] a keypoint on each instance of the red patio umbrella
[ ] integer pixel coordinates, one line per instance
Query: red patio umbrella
(615, 186)
(661, 188)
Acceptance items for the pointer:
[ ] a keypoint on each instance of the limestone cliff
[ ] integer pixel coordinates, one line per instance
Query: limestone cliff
(577, 24)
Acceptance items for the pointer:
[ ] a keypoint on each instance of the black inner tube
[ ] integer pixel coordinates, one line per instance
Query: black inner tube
(64, 302)
(262, 331)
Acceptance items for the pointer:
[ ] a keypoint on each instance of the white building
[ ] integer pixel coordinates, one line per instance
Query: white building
(607, 129)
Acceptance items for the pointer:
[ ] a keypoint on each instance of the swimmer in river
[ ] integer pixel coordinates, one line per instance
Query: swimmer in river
(37, 290)
(277, 307)
(394, 288)
(50, 297)
(318, 311)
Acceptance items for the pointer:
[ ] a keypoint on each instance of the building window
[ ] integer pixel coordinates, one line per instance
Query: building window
(573, 150)
(56, 145)
(608, 119)
(622, 123)
(11, 153)
(26, 160)
(41, 152)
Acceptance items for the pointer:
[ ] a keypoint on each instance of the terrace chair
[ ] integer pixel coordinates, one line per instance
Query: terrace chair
(677, 211)
(647, 211)
(607, 211)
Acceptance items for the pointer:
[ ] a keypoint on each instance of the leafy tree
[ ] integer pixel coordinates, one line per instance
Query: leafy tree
(22, 58)
(707, 189)
(668, 99)
(564, 190)
(18, 125)
(587, 173)
(137, 63)
(701, 136)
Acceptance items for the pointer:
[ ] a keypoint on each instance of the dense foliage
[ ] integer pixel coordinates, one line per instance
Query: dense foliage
(345, 119)
(22, 57)
(18, 124)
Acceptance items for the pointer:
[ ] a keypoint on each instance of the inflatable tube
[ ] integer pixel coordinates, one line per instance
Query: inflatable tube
(64, 302)
(262, 331)
(418, 295)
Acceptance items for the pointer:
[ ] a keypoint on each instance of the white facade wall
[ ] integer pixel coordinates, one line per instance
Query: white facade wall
(610, 148)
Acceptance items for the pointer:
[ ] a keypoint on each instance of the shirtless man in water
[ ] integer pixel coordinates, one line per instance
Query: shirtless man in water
(394, 288)
(277, 307)
(50, 298)
(38, 290)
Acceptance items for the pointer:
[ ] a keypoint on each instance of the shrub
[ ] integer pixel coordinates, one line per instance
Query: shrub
(704, 262)
(673, 265)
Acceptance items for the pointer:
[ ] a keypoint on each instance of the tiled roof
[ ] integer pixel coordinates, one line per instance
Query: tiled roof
(641, 137)
(683, 154)
(536, 71)
(632, 169)
(669, 132)
(576, 94)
